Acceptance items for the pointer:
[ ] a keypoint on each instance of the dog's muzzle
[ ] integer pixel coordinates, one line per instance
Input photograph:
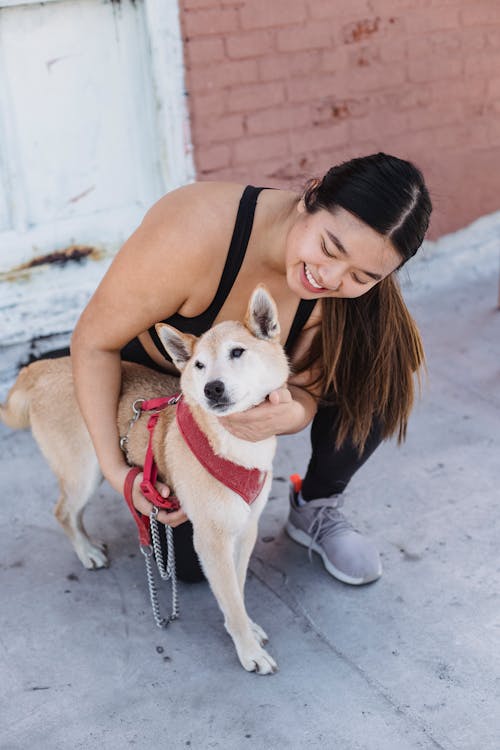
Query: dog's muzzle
(215, 393)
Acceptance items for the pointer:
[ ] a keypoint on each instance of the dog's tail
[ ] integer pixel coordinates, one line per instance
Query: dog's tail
(15, 413)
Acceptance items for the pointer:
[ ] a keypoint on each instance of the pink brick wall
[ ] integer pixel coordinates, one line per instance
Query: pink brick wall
(280, 90)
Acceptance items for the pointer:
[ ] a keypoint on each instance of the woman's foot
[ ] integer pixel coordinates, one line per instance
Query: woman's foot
(320, 526)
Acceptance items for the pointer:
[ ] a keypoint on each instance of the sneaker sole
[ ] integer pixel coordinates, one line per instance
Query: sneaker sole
(302, 538)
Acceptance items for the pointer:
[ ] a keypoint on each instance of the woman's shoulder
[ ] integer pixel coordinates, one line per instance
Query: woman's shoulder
(190, 224)
(197, 203)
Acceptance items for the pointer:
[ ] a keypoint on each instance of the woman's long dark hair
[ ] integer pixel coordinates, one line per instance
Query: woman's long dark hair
(369, 347)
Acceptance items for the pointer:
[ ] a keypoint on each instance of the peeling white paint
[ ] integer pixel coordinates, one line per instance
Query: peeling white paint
(93, 130)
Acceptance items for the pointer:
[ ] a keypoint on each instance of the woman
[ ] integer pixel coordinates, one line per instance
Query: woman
(328, 257)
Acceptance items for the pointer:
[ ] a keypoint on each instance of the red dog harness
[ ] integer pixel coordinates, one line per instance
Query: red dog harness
(247, 483)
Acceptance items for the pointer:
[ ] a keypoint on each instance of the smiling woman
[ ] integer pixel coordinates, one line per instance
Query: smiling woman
(328, 258)
(374, 212)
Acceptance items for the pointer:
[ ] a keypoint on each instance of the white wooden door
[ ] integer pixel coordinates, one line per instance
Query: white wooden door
(93, 130)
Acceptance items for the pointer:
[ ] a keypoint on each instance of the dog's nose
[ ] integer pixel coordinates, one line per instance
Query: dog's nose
(214, 390)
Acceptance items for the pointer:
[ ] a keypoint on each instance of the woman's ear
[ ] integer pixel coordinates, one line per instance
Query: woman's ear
(301, 206)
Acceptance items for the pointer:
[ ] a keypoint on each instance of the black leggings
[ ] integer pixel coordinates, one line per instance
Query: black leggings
(329, 471)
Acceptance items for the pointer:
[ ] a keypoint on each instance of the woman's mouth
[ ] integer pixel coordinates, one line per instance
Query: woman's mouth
(310, 282)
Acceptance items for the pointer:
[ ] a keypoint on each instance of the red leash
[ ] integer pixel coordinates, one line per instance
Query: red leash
(150, 472)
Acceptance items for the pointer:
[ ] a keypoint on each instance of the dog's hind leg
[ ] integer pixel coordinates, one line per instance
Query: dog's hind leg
(216, 552)
(75, 492)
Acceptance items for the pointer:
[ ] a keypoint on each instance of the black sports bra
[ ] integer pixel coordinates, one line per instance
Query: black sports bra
(239, 242)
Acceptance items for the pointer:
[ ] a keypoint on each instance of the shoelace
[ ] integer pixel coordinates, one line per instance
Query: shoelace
(327, 521)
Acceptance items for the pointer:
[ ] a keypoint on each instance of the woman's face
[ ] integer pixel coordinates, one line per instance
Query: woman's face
(336, 255)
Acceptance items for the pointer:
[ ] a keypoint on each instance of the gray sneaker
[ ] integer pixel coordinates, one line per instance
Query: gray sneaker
(320, 526)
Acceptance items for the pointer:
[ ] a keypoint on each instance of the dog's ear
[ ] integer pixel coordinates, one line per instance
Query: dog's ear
(178, 345)
(262, 315)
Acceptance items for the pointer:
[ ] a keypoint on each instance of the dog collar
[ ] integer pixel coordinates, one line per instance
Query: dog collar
(247, 483)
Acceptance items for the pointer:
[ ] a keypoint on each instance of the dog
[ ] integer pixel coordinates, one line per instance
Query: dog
(230, 368)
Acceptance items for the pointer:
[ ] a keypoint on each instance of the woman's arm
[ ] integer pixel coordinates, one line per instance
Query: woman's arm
(150, 279)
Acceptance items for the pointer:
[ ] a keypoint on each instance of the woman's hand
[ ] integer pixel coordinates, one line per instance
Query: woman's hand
(278, 414)
(171, 518)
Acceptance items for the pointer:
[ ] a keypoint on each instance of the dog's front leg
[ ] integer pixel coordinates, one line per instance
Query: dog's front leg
(216, 552)
(244, 551)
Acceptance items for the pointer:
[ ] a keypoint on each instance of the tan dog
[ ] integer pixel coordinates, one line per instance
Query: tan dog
(232, 367)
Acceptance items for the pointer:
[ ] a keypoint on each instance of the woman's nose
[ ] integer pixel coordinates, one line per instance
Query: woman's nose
(331, 277)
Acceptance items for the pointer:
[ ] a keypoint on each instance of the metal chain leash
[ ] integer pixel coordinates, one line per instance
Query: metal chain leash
(136, 414)
(166, 573)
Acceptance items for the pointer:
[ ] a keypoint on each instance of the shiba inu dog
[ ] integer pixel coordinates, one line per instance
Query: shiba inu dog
(230, 368)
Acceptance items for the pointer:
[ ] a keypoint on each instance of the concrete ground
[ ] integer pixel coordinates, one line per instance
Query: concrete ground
(409, 662)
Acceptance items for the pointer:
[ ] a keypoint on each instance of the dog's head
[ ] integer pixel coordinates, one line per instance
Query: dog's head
(233, 366)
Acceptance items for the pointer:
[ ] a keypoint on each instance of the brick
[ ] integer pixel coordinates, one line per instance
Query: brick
(197, 4)
(412, 97)
(494, 88)
(376, 77)
(335, 60)
(260, 147)
(475, 39)
(425, 69)
(450, 90)
(353, 30)
(437, 44)
(437, 113)
(482, 64)
(210, 21)
(424, 21)
(469, 135)
(256, 96)
(249, 44)
(333, 109)
(219, 130)
(323, 9)
(204, 50)
(259, 14)
(272, 172)
(309, 36)
(480, 13)
(493, 37)
(363, 57)
(291, 171)
(494, 127)
(386, 123)
(284, 65)
(317, 138)
(213, 157)
(360, 30)
(208, 105)
(278, 119)
(220, 75)
(392, 49)
(310, 88)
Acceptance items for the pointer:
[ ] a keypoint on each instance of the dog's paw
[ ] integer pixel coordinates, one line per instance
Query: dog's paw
(256, 659)
(259, 633)
(92, 556)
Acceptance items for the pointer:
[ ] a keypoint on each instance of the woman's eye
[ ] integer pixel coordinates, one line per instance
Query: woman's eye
(236, 352)
(358, 281)
(199, 365)
(325, 251)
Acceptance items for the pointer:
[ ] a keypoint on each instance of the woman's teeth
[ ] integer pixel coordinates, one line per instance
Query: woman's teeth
(310, 278)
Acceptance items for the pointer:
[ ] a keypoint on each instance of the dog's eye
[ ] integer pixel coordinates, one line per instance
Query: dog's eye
(199, 365)
(236, 352)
